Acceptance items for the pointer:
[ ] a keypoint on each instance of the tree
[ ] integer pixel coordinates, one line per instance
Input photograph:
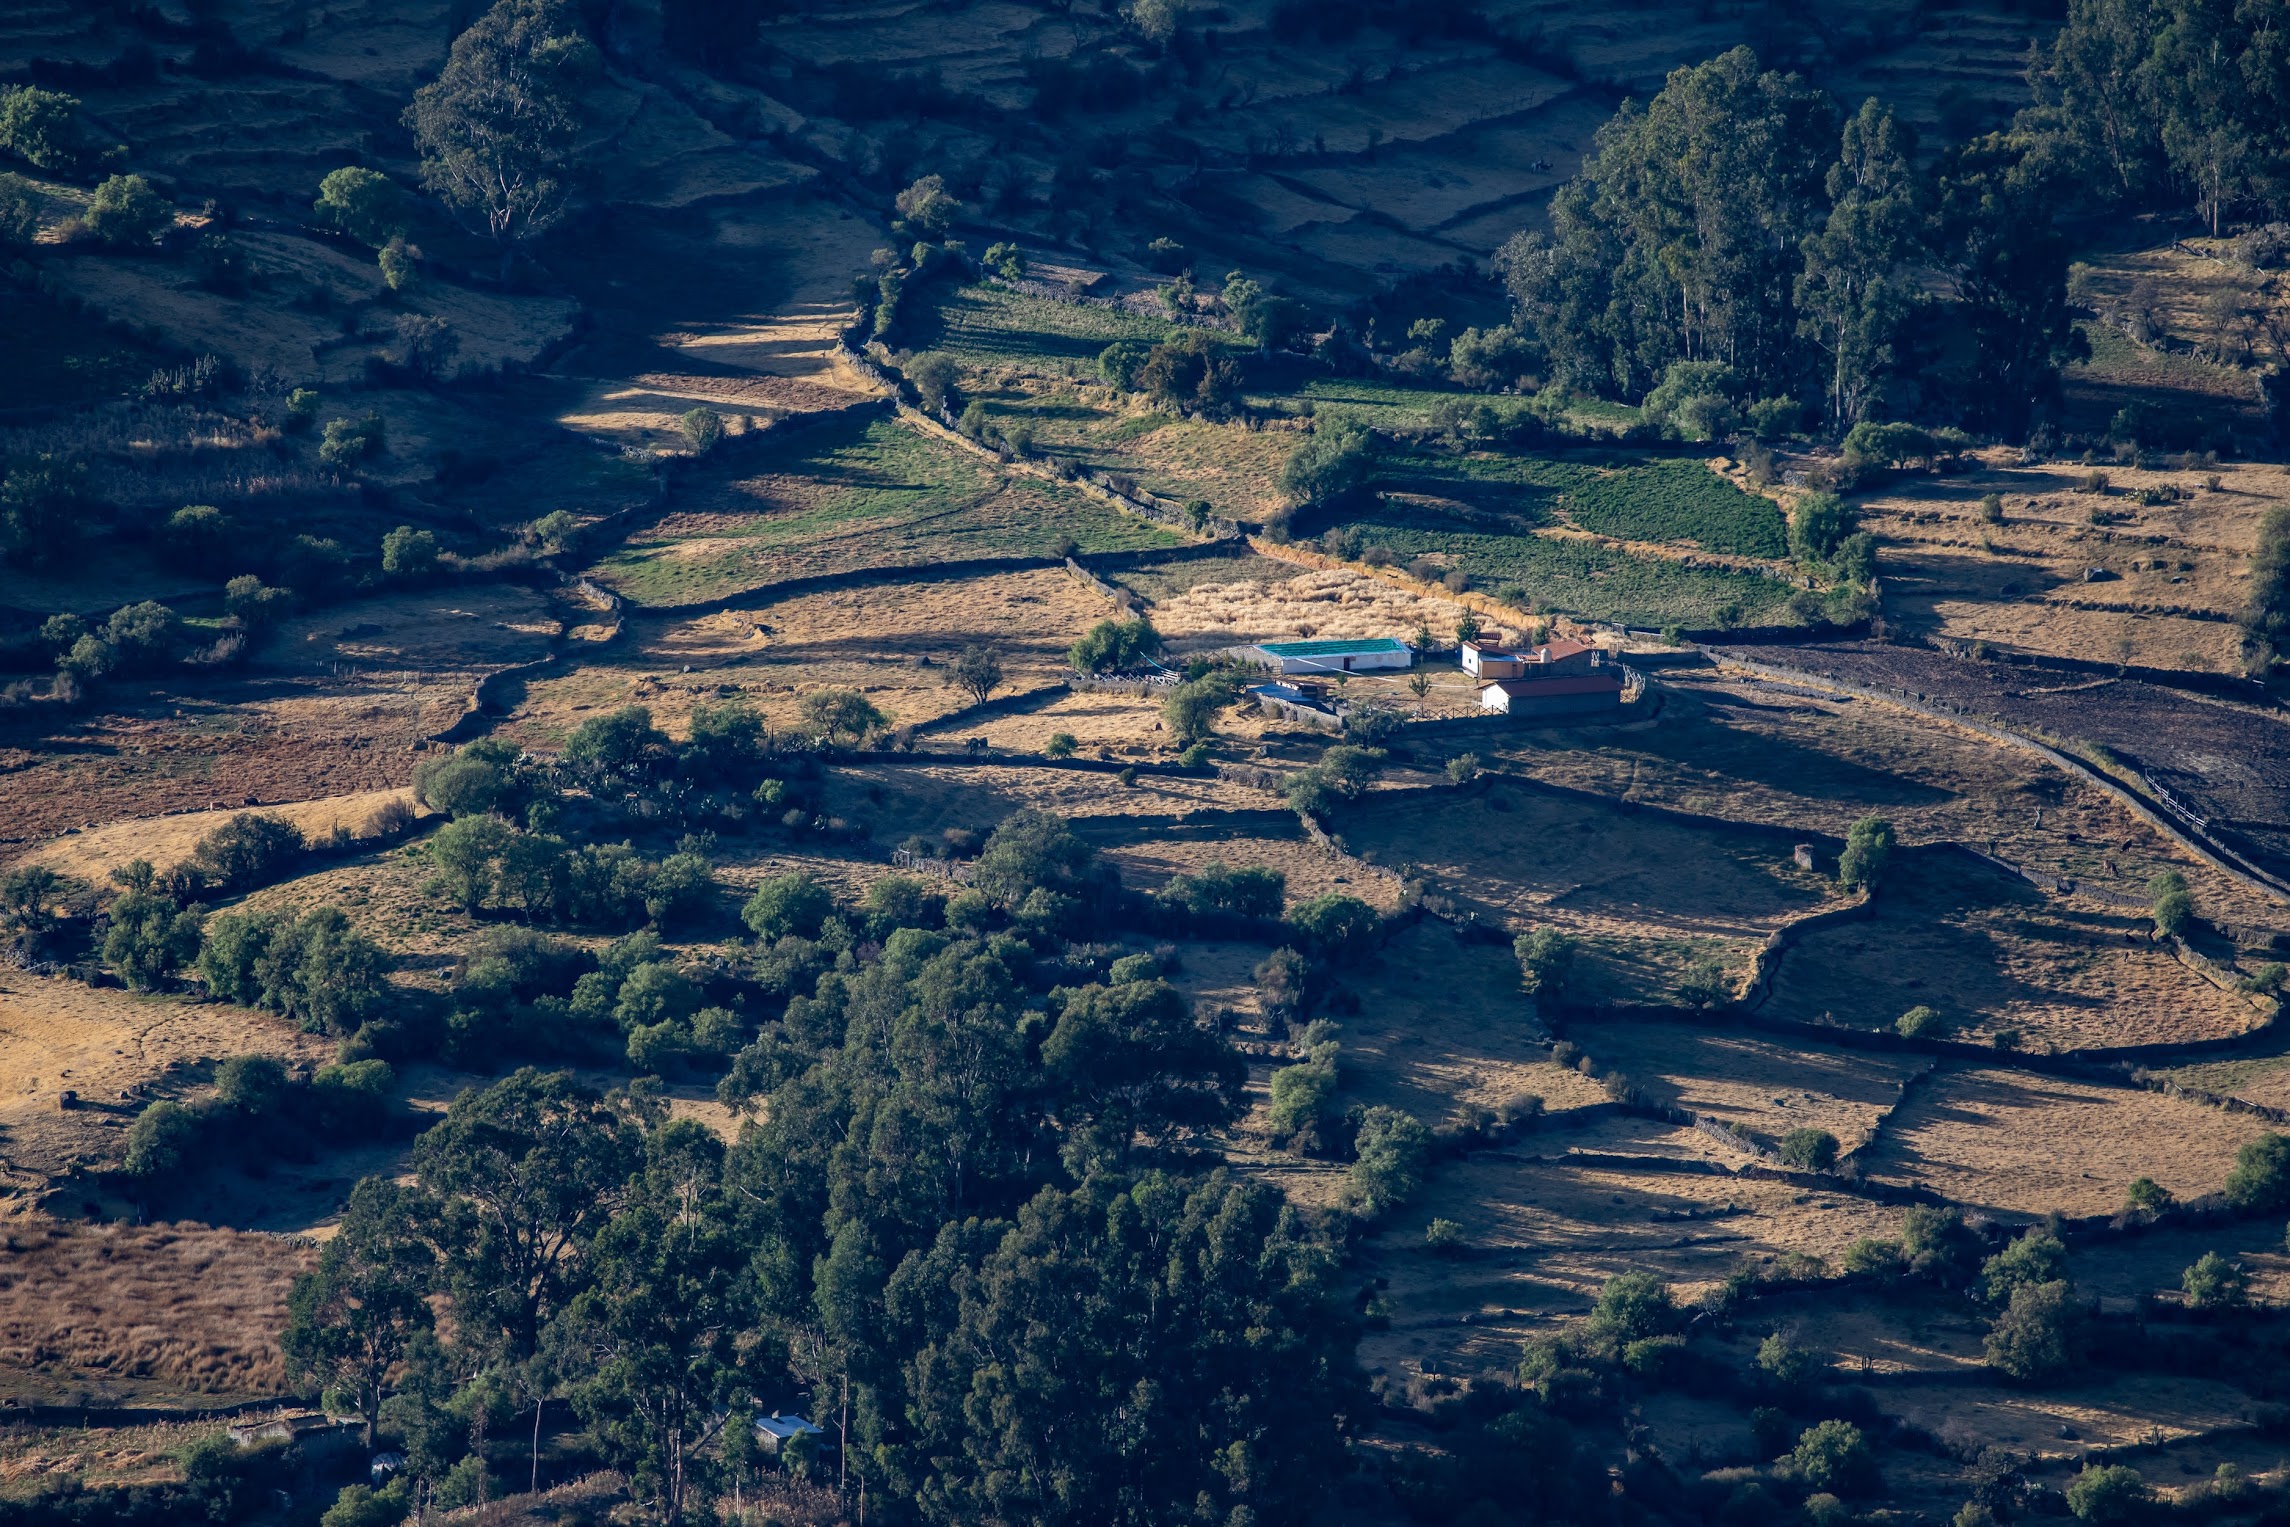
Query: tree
(409, 554)
(1331, 462)
(40, 127)
(19, 212)
(1152, 1352)
(1868, 845)
(1835, 1458)
(927, 208)
(42, 501)
(159, 1140)
(2107, 1495)
(364, 204)
(786, 906)
(839, 716)
(1340, 928)
(1682, 235)
(621, 744)
(127, 214)
(1129, 1062)
(702, 429)
(2033, 1339)
(349, 1323)
(1115, 645)
(526, 1171)
(1809, 1149)
(2265, 615)
(1633, 1307)
(1190, 710)
(464, 852)
(1387, 1168)
(655, 1339)
(2212, 1282)
(1854, 294)
(934, 376)
(426, 344)
(2035, 1258)
(150, 938)
(2168, 902)
(248, 850)
(346, 442)
(1546, 963)
(2008, 264)
(2260, 1179)
(496, 129)
(977, 673)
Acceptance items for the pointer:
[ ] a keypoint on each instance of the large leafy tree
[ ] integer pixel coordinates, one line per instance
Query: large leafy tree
(350, 1323)
(655, 1341)
(1155, 1352)
(1856, 290)
(2008, 263)
(496, 129)
(1682, 236)
(526, 1173)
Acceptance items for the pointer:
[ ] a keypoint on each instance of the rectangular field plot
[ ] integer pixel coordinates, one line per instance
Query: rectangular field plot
(1167, 853)
(1661, 499)
(850, 495)
(894, 643)
(1522, 854)
(1575, 576)
(1766, 1085)
(1991, 954)
(1234, 468)
(993, 325)
(1160, 581)
(2020, 1143)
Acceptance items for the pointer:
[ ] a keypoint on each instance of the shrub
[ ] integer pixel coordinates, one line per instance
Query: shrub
(702, 429)
(2214, 1283)
(2107, 1495)
(1330, 463)
(1392, 1147)
(362, 203)
(1919, 1022)
(1868, 844)
(2035, 1258)
(409, 554)
(2147, 1197)
(1115, 646)
(1546, 962)
(1061, 745)
(2034, 1337)
(2169, 904)
(127, 214)
(1301, 1100)
(1338, 927)
(19, 212)
(1809, 1149)
(400, 265)
(248, 850)
(1444, 1238)
(1833, 1457)
(1633, 1307)
(2260, 1180)
(926, 207)
(786, 905)
(346, 442)
(1783, 1362)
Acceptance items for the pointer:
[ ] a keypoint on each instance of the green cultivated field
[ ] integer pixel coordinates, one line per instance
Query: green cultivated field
(857, 495)
(1664, 499)
(1578, 577)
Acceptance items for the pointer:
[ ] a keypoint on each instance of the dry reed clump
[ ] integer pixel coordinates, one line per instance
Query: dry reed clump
(161, 456)
(190, 1307)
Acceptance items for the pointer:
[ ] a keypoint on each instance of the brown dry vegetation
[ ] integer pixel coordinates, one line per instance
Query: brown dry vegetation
(166, 841)
(177, 1308)
(1989, 953)
(1767, 1086)
(56, 1034)
(2024, 1144)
